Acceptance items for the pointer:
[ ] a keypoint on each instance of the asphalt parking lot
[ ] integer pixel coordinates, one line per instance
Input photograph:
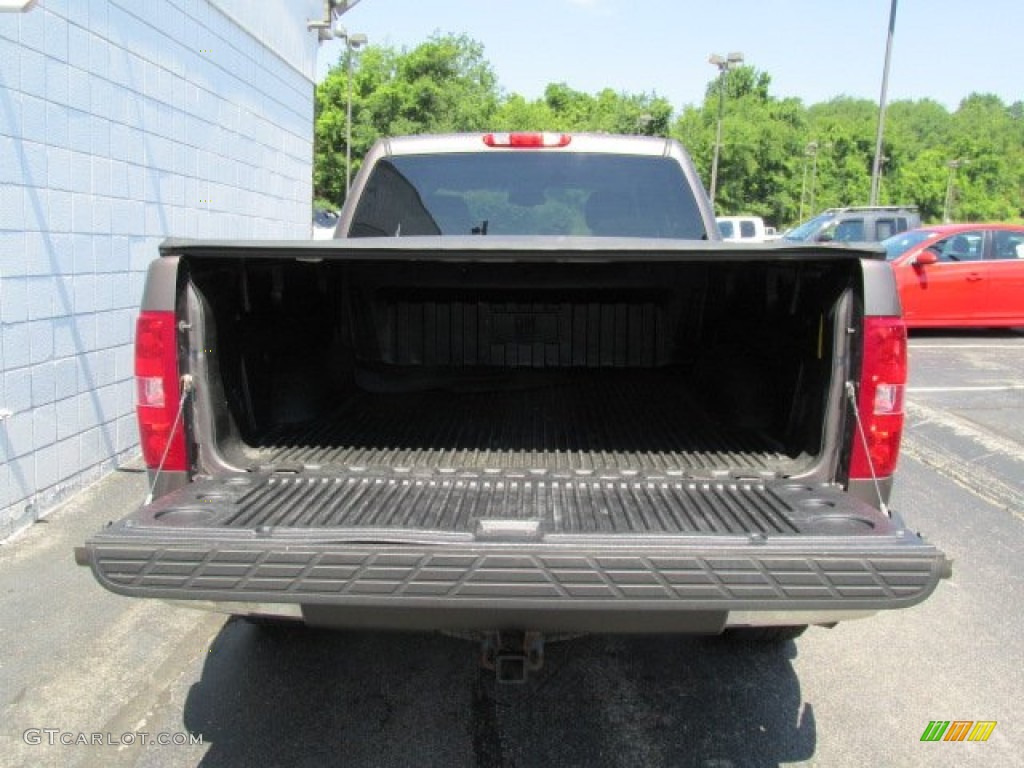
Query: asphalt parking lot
(77, 660)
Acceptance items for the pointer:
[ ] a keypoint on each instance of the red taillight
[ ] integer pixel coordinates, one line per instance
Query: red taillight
(156, 379)
(880, 401)
(533, 140)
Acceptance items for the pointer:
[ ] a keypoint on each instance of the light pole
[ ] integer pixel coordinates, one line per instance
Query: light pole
(947, 207)
(734, 59)
(813, 147)
(811, 150)
(352, 43)
(876, 166)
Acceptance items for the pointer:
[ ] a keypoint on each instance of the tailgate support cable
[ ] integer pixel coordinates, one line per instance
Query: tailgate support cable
(186, 389)
(851, 394)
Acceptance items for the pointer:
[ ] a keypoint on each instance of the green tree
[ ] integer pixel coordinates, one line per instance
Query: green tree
(446, 85)
(564, 109)
(762, 147)
(515, 113)
(987, 136)
(443, 85)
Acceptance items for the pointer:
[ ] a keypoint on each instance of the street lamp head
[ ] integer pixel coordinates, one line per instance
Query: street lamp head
(357, 41)
(724, 63)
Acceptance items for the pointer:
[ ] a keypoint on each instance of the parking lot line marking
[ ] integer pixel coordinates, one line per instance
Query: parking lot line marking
(972, 475)
(966, 346)
(980, 388)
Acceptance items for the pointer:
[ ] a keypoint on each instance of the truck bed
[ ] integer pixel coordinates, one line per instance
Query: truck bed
(615, 423)
(623, 437)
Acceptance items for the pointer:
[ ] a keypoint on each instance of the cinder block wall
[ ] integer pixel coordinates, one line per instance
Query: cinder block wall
(122, 122)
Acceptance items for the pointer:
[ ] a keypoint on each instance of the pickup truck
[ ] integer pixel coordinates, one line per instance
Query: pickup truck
(857, 225)
(745, 229)
(526, 390)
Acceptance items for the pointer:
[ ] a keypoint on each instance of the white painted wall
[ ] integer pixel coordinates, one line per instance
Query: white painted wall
(122, 122)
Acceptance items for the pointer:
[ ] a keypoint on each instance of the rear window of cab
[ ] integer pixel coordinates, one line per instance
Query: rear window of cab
(528, 193)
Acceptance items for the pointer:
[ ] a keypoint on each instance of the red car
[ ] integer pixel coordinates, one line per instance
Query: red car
(959, 275)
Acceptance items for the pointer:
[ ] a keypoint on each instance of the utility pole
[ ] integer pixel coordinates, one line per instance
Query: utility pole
(803, 188)
(811, 150)
(876, 167)
(947, 208)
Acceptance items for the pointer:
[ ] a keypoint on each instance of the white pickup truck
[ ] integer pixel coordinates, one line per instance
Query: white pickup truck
(745, 229)
(526, 389)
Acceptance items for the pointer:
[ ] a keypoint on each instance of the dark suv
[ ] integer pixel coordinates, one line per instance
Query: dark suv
(868, 224)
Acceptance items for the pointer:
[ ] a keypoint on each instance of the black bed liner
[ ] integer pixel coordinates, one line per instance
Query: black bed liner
(557, 505)
(617, 425)
(513, 504)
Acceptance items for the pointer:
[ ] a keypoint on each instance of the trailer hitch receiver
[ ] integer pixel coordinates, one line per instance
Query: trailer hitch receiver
(512, 654)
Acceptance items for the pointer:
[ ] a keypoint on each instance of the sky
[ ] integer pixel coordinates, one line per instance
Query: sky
(814, 50)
